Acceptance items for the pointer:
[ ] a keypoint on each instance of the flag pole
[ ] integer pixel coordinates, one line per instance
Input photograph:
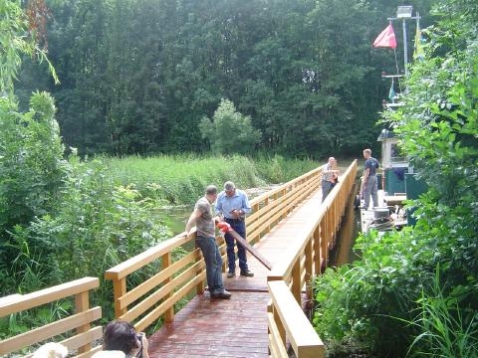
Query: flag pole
(405, 13)
(405, 47)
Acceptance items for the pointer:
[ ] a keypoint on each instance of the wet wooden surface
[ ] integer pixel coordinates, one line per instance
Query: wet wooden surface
(236, 327)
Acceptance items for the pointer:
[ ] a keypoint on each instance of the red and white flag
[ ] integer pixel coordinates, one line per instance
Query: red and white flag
(386, 38)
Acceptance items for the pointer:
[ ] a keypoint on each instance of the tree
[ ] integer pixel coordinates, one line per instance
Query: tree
(438, 127)
(388, 301)
(13, 25)
(229, 132)
(137, 75)
(32, 168)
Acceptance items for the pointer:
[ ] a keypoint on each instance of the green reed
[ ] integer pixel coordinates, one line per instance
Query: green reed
(181, 179)
(445, 328)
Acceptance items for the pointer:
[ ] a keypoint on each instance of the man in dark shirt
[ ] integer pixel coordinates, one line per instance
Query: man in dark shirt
(369, 179)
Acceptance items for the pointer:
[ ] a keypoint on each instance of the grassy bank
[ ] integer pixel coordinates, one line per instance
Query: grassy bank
(181, 179)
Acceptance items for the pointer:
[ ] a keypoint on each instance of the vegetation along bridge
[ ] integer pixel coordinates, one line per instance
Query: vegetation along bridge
(265, 317)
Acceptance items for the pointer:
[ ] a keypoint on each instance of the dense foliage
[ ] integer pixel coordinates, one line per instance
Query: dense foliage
(32, 169)
(414, 292)
(138, 76)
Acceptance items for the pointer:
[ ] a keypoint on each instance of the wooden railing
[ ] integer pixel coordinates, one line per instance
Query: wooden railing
(271, 207)
(292, 276)
(77, 327)
(288, 323)
(180, 276)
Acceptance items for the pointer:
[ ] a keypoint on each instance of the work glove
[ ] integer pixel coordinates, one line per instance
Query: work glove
(223, 227)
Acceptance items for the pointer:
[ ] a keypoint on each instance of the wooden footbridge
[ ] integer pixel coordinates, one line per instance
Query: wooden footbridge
(266, 315)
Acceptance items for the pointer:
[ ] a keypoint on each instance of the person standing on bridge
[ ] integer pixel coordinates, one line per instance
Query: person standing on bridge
(233, 205)
(329, 176)
(206, 241)
(369, 179)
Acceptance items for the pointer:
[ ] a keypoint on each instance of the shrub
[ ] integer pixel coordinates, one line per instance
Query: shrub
(97, 225)
(355, 302)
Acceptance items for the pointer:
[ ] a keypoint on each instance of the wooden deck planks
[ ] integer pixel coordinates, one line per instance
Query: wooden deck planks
(235, 328)
(216, 328)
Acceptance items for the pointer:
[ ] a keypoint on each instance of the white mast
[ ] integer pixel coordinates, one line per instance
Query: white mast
(404, 13)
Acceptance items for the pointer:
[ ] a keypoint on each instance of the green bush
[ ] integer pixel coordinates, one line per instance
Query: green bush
(97, 223)
(32, 180)
(355, 303)
(32, 170)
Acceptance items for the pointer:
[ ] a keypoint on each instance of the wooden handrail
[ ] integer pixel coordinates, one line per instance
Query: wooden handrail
(288, 322)
(140, 303)
(77, 326)
(153, 299)
(274, 205)
(304, 259)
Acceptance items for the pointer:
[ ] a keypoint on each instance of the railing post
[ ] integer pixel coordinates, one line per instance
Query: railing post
(296, 282)
(200, 287)
(325, 241)
(82, 304)
(166, 261)
(309, 252)
(309, 266)
(280, 324)
(317, 251)
(119, 288)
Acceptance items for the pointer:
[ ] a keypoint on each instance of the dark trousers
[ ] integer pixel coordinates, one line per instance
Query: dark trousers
(327, 186)
(239, 225)
(213, 260)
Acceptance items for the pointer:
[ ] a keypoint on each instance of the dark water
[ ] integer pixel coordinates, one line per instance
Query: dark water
(342, 252)
(175, 218)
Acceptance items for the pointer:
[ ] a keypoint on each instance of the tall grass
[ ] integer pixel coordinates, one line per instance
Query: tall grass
(446, 330)
(181, 179)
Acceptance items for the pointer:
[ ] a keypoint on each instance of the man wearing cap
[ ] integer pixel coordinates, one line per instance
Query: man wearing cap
(206, 241)
(233, 205)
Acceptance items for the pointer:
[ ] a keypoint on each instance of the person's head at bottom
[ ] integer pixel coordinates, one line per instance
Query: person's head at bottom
(121, 336)
(109, 354)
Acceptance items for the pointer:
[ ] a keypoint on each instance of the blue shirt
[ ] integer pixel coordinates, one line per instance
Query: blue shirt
(225, 204)
(371, 164)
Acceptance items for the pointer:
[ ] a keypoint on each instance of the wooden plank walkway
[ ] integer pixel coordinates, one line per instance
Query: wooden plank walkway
(236, 327)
